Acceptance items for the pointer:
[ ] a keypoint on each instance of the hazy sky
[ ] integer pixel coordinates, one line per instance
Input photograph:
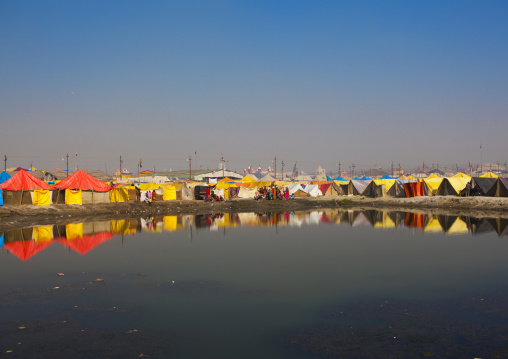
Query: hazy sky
(318, 82)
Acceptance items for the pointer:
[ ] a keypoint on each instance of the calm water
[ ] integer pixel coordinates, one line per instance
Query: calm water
(251, 285)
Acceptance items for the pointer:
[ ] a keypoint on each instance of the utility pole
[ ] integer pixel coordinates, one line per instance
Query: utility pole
(282, 175)
(353, 170)
(76, 162)
(481, 159)
(67, 164)
(5, 162)
(275, 161)
(338, 164)
(399, 169)
(190, 167)
(222, 163)
(392, 168)
(196, 159)
(121, 164)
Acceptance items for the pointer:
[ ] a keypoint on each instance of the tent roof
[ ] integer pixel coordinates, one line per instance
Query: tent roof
(24, 181)
(461, 175)
(489, 175)
(83, 181)
(433, 175)
(321, 178)
(339, 178)
(4, 176)
(267, 178)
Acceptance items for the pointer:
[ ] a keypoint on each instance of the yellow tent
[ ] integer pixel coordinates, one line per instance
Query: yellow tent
(433, 183)
(119, 194)
(169, 193)
(247, 179)
(433, 175)
(149, 186)
(387, 182)
(489, 175)
(459, 183)
(461, 175)
(73, 196)
(227, 179)
(41, 197)
(408, 177)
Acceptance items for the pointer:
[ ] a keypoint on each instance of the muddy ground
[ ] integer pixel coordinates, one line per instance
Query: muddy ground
(28, 215)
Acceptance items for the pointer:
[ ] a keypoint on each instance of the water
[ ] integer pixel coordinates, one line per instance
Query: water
(254, 285)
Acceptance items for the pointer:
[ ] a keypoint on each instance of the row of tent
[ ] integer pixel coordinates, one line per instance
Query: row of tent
(81, 187)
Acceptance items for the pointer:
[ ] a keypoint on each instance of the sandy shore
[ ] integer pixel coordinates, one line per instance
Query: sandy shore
(20, 216)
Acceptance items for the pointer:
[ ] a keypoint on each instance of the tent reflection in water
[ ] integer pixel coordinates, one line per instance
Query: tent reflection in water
(24, 250)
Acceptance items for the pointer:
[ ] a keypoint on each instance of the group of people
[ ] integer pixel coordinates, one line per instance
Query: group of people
(272, 193)
(150, 197)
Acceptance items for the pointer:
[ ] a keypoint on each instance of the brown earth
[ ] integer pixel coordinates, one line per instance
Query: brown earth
(27, 215)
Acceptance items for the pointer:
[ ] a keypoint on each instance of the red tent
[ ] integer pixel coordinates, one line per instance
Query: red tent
(26, 249)
(24, 181)
(87, 243)
(83, 181)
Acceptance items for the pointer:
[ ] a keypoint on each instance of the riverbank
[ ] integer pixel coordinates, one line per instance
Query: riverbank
(27, 215)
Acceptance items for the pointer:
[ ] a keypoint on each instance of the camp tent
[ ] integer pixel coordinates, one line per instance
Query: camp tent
(83, 188)
(15, 190)
(499, 189)
(489, 175)
(357, 187)
(482, 186)
(267, 178)
(452, 186)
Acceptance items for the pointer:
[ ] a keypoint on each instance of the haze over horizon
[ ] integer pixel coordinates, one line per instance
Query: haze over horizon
(361, 82)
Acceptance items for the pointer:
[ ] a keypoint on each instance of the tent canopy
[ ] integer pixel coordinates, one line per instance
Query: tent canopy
(4, 176)
(83, 181)
(24, 181)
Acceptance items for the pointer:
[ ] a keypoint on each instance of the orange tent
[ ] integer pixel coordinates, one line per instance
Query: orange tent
(83, 181)
(24, 181)
(26, 249)
(87, 243)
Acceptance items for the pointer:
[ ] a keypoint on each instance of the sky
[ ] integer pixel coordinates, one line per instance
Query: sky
(312, 82)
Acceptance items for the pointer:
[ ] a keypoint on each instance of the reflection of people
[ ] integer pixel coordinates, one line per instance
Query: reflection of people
(468, 189)
(138, 194)
(154, 195)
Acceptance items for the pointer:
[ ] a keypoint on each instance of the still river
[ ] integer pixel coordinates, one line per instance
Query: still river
(321, 284)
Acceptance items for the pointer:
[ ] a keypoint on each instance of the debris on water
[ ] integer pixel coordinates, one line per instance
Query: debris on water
(21, 327)
(98, 280)
(60, 274)
(56, 287)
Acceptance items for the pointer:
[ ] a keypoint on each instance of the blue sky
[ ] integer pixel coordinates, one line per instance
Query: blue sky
(364, 82)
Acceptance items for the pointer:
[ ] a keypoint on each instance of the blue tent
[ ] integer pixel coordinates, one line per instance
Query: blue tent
(389, 177)
(1, 198)
(356, 178)
(2, 239)
(4, 176)
(365, 178)
(329, 178)
(339, 178)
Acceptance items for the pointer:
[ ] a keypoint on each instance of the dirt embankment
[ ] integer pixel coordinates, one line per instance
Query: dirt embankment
(26, 215)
